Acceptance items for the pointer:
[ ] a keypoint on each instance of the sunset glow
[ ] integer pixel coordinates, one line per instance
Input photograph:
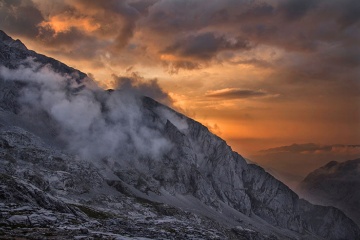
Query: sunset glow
(259, 74)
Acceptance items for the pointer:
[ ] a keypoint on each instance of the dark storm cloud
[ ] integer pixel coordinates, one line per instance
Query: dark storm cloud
(66, 38)
(20, 17)
(195, 31)
(350, 13)
(71, 23)
(120, 7)
(169, 17)
(310, 148)
(205, 46)
(173, 67)
(328, 73)
(68, 43)
(115, 18)
(295, 9)
(235, 93)
(128, 15)
(256, 12)
(142, 6)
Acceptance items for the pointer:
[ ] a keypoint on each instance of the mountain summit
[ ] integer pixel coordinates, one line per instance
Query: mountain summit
(80, 161)
(5, 39)
(335, 184)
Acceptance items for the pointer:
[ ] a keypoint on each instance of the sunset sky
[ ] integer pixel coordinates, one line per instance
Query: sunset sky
(279, 80)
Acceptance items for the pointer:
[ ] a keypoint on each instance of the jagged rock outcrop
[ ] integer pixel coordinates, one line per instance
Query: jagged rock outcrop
(41, 187)
(13, 52)
(209, 185)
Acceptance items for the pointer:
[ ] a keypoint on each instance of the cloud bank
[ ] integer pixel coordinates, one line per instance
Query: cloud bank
(314, 148)
(235, 93)
(304, 52)
(95, 124)
(310, 41)
(197, 31)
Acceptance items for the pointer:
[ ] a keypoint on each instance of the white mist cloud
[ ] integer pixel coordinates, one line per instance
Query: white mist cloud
(179, 123)
(94, 123)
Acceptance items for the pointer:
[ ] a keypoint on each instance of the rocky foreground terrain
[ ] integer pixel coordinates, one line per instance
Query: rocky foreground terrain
(78, 162)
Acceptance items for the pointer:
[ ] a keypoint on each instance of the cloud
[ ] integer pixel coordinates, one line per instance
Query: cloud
(175, 66)
(193, 32)
(142, 6)
(20, 17)
(93, 19)
(314, 148)
(350, 13)
(301, 159)
(93, 123)
(307, 51)
(137, 85)
(253, 62)
(313, 44)
(257, 11)
(198, 31)
(205, 46)
(296, 9)
(96, 25)
(235, 93)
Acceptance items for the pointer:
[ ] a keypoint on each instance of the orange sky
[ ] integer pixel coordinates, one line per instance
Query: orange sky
(260, 74)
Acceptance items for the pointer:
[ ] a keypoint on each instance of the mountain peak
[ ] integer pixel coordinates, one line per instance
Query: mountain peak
(128, 149)
(335, 184)
(330, 164)
(4, 36)
(7, 40)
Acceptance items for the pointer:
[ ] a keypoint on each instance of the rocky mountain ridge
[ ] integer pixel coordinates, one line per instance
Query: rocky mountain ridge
(177, 180)
(335, 184)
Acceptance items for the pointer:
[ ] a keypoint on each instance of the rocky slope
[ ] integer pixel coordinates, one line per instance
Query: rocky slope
(335, 184)
(114, 164)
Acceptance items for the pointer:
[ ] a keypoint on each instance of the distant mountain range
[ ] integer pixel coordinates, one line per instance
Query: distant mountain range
(335, 184)
(77, 161)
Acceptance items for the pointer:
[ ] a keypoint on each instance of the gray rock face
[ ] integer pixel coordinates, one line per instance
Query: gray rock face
(216, 175)
(46, 191)
(6, 40)
(13, 52)
(13, 190)
(335, 184)
(270, 199)
(196, 188)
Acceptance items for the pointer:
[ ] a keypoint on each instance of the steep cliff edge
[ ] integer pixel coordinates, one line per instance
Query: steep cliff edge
(132, 148)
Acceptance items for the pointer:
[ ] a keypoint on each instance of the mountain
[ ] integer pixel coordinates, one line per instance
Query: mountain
(78, 161)
(335, 184)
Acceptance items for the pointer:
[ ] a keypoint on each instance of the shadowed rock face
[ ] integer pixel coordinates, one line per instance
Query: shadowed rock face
(198, 168)
(13, 52)
(335, 184)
